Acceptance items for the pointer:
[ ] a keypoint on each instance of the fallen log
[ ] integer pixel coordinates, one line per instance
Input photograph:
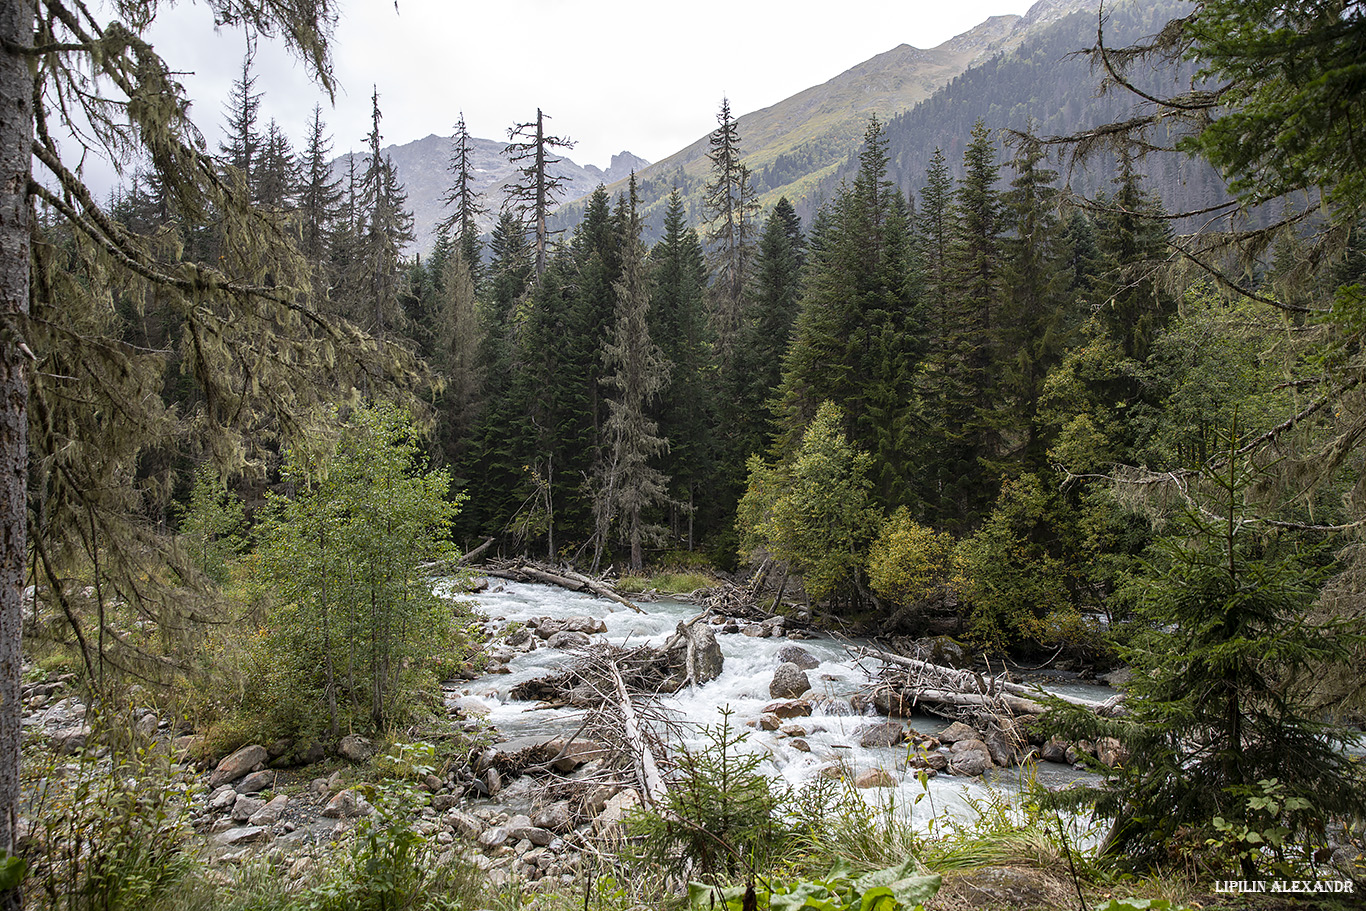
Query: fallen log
(473, 554)
(652, 786)
(523, 571)
(908, 683)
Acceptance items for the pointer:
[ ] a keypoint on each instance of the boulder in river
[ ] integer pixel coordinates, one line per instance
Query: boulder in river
(693, 652)
(799, 656)
(789, 682)
(886, 734)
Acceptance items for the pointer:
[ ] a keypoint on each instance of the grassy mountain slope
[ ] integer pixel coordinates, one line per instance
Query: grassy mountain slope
(794, 147)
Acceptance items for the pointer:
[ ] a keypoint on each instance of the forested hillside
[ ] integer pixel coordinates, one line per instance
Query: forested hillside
(970, 394)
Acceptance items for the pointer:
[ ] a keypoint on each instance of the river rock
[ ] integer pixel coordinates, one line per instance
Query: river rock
(494, 837)
(699, 640)
(893, 702)
(768, 722)
(1003, 743)
(958, 731)
(618, 808)
(584, 625)
(557, 817)
(795, 654)
(969, 758)
(939, 650)
(576, 753)
(244, 807)
(875, 778)
(242, 835)
(257, 781)
(887, 734)
(347, 804)
(789, 682)
(462, 822)
(568, 639)
(801, 745)
(1111, 752)
(270, 814)
(234, 766)
(792, 708)
(547, 626)
(1054, 749)
(223, 797)
(755, 630)
(355, 748)
(933, 760)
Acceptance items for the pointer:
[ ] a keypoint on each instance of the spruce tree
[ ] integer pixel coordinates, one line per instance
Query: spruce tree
(730, 207)
(386, 229)
(1035, 304)
(243, 144)
(463, 201)
(320, 198)
(534, 194)
(637, 372)
(679, 324)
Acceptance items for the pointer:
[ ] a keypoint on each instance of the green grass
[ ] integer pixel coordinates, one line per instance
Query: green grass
(667, 583)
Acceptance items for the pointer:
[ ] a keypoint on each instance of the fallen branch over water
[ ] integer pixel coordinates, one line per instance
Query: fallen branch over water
(906, 684)
(526, 571)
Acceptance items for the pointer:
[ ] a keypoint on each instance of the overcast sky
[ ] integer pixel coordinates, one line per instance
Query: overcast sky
(613, 75)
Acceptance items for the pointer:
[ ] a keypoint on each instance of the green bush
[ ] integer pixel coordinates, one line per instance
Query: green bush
(908, 562)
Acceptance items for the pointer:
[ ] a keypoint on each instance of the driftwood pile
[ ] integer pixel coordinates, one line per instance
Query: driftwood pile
(906, 686)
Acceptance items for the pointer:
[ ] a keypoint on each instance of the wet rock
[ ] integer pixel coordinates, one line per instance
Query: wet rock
(1054, 750)
(958, 731)
(969, 758)
(875, 778)
(355, 748)
(1080, 749)
(793, 730)
(933, 760)
(1003, 743)
(801, 745)
(893, 702)
(699, 640)
(795, 654)
(887, 734)
(939, 650)
(247, 759)
(769, 722)
(584, 625)
(493, 781)
(789, 682)
(755, 630)
(793, 708)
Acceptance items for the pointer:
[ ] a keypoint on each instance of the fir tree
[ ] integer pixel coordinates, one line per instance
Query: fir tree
(729, 206)
(463, 201)
(534, 194)
(679, 324)
(386, 229)
(637, 371)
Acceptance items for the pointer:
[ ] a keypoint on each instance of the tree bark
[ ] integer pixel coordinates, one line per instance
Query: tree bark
(16, 143)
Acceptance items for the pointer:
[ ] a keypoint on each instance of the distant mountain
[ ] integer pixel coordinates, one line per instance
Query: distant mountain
(422, 168)
(794, 147)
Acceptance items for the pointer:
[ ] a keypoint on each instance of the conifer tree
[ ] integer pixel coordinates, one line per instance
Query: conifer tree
(244, 141)
(637, 372)
(320, 197)
(679, 324)
(277, 174)
(1034, 308)
(770, 313)
(730, 207)
(855, 338)
(463, 201)
(386, 229)
(534, 193)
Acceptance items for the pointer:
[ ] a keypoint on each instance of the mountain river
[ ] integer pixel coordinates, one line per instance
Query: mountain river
(742, 688)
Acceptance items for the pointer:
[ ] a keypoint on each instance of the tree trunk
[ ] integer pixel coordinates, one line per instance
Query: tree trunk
(16, 143)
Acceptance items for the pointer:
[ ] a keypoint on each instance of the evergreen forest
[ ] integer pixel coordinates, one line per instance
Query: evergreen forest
(966, 396)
